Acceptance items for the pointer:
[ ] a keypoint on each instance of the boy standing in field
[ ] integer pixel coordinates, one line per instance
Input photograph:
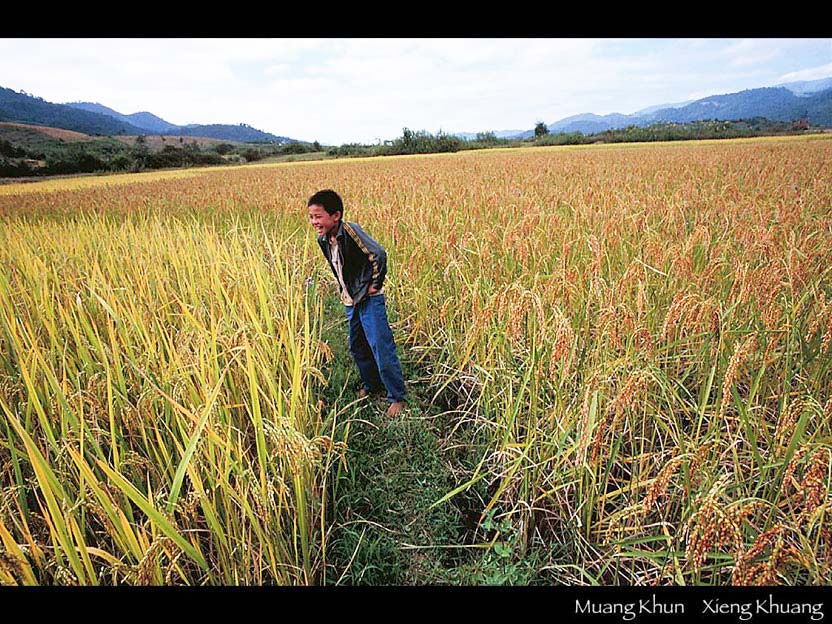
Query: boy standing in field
(360, 266)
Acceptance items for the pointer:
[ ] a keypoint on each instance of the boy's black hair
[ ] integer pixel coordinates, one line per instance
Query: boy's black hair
(329, 199)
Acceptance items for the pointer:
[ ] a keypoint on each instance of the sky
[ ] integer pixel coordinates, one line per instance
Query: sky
(340, 91)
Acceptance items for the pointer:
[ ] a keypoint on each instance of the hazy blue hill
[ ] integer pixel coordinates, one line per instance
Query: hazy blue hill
(25, 108)
(612, 118)
(589, 123)
(775, 103)
(591, 126)
(95, 107)
(242, 132)
(152, 123)
(657, 107)
(819, 108)
(798, 100)
(144, 120)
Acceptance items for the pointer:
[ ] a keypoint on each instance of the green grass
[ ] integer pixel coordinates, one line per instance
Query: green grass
(387, 527)
(394, 471)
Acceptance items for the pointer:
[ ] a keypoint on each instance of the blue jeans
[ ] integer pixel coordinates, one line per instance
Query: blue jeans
(373, 349)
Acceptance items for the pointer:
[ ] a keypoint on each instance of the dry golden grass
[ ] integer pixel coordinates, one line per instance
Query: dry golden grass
(55, 133)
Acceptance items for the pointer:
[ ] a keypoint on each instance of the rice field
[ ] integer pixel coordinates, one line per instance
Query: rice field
(634, 341)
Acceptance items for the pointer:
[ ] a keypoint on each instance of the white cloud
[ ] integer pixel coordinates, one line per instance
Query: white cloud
(813, 73)
(750, 52)
(277, 69)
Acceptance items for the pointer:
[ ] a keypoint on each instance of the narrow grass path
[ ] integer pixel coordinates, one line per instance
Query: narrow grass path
(384, 529)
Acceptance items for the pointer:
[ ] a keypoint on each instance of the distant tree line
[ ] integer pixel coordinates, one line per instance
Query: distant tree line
(110, 155)
(423, 142)
(419, 142)
(671, 131)
(99, 156)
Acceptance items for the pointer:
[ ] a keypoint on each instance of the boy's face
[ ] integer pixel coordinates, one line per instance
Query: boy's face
(322, 221)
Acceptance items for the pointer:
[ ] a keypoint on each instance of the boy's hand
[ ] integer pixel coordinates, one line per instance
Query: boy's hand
(372, 290)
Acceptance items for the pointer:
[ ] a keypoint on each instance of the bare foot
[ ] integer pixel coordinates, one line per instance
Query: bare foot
(395, 408)
(362, 393)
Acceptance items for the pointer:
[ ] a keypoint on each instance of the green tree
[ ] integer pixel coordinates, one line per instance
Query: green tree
(252, 154)
(540, 129)
(122, 162)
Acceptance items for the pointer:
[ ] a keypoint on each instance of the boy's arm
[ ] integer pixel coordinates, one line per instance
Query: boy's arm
(375, 253)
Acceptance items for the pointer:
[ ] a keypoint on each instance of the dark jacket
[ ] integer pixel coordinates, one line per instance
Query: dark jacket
(364, 261)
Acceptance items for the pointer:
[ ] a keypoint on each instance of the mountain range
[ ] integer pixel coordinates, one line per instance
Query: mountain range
(146, 121)
(94, 118)
(810, 100)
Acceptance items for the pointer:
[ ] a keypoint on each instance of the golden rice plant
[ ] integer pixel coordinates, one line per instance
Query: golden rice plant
(159, 419)
(625, 332)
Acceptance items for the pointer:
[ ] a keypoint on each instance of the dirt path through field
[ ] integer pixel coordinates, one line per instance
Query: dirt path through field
(397, 467)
